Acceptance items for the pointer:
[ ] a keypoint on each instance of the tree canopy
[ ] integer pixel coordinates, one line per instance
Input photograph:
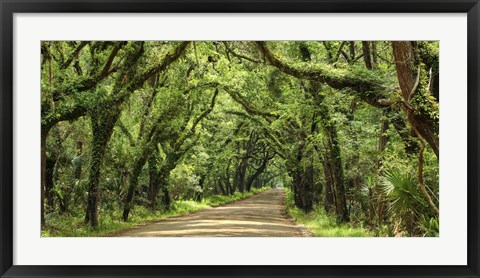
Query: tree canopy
(347, 127)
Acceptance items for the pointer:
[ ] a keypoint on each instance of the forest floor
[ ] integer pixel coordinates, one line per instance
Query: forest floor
(262, 215)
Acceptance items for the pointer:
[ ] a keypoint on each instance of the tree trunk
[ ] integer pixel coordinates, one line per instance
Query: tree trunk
(410, 74)
(137, 170)
(382, 140)
(228, 185)
(307, 187)
(154, 182)
(366, 54)
(352, 51)
(78, 167)
(218, 184)
(333, 158)
(337, 170)
(329, 194)
(298, 174)
(333, 147)
(163, 179)
(98, 152)
(102, 128)
(171, 162)
(43, 158)
(239, 182)
(257, 173)
(411, 145)
(374, 54)
(406, 61)
(49, 170)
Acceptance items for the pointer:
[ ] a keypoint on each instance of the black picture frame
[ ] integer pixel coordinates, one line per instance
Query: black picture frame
(9, 7)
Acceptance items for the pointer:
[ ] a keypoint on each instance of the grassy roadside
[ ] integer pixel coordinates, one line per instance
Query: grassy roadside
(110, 222)
(320, 224)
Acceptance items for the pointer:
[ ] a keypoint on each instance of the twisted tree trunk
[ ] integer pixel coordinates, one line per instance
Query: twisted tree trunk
(410, 73)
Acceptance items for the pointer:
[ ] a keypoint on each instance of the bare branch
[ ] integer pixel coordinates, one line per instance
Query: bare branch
(241, 56)
(74, 54)
(415, 86)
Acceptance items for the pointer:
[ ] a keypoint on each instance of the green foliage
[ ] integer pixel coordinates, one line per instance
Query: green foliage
(406, 200)
(323, 225)
(403, 191)
(183, 183)
(151, 107)
(430, 226)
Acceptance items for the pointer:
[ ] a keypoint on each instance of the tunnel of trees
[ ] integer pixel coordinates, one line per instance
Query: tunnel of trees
(347, 127)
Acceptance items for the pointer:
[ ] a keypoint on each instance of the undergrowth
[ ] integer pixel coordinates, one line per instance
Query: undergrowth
(320, 223)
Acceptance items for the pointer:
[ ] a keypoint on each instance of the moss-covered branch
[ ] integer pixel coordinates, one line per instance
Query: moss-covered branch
(361, 82)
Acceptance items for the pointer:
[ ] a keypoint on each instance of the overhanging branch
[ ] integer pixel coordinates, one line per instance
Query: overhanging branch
(367, 87)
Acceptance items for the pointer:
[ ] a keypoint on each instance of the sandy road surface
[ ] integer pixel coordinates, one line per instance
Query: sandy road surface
(262, 215)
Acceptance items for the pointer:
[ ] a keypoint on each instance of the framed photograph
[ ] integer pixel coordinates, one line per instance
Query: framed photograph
(239, 138)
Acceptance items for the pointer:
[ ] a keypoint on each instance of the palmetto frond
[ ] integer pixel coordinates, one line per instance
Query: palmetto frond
(403, 193)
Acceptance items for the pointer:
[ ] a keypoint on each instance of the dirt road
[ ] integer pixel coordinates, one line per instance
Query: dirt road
(262, 215)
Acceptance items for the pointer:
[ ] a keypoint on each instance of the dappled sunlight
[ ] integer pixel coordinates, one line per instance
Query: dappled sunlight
(257, 216)
(168, 132)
